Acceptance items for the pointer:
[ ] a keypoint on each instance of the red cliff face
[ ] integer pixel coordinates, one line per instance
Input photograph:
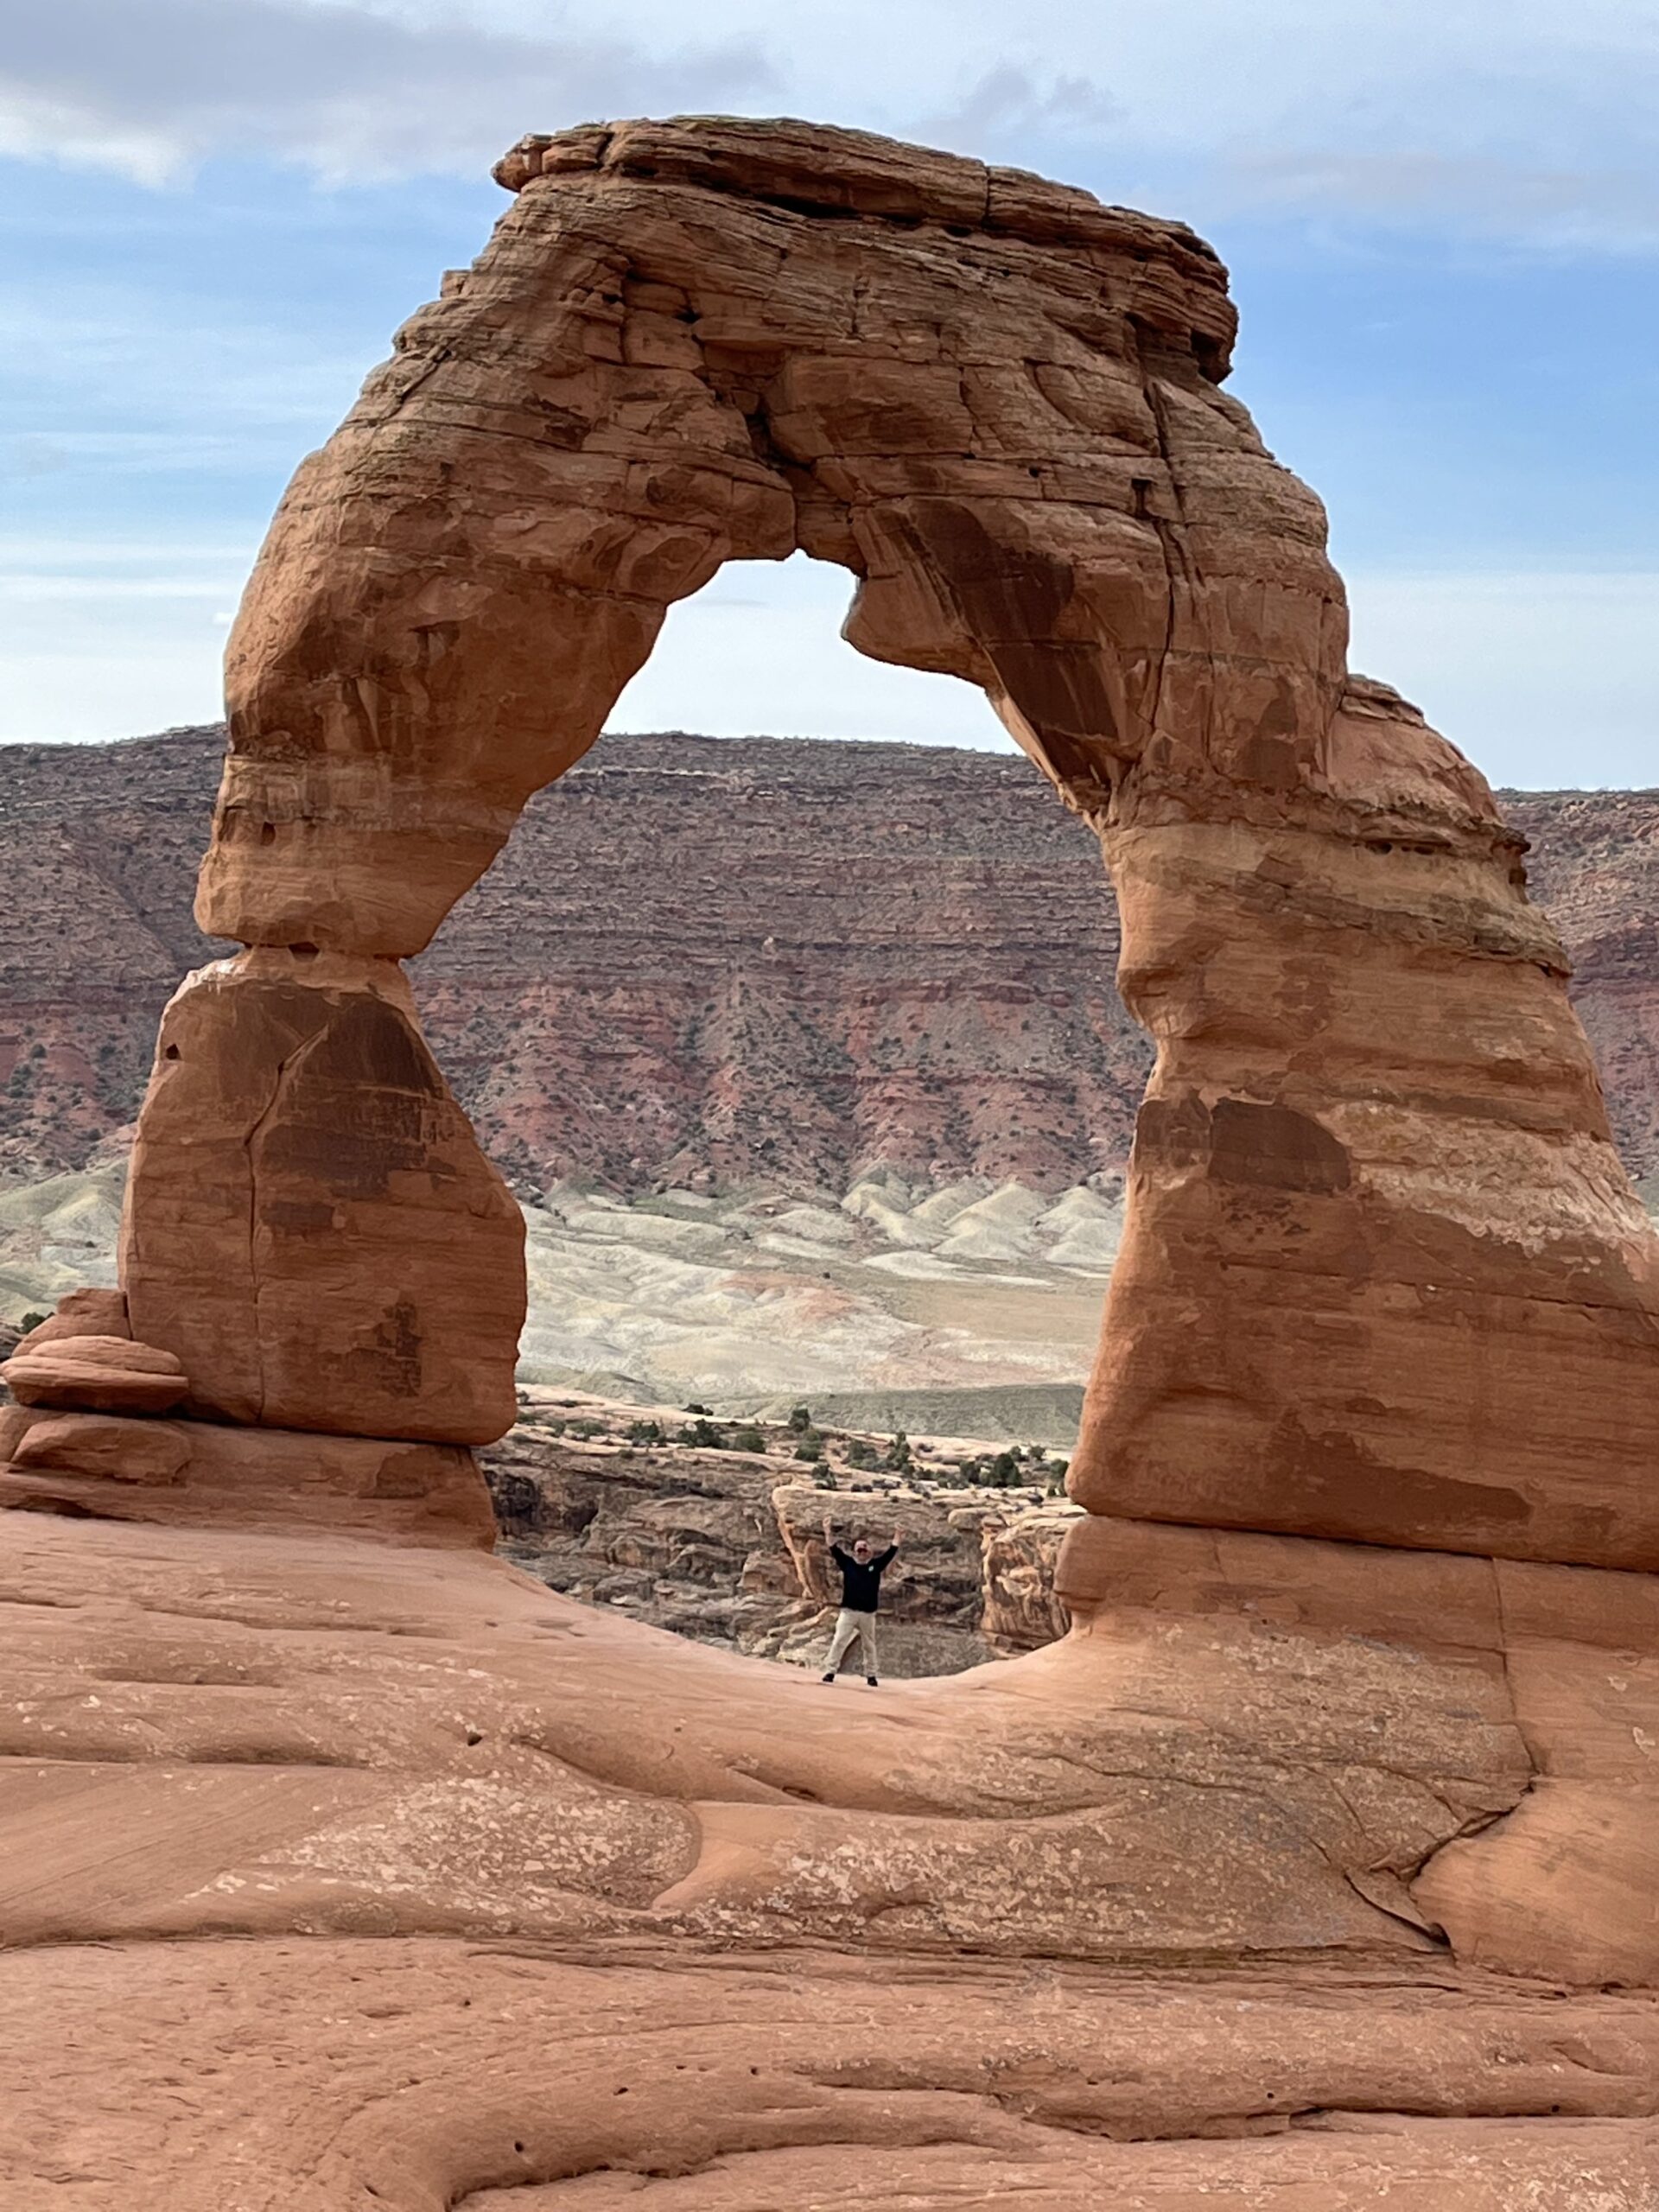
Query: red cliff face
(770, 958)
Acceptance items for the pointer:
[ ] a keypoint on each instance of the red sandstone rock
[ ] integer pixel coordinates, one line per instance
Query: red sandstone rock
(1384, 1277)
(103, 1374)
(145, 1451)
(310, 1226)
(80, 1313)
(244, 1479)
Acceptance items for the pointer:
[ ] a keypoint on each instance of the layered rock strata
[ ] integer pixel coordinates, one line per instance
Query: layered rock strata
(766, 961)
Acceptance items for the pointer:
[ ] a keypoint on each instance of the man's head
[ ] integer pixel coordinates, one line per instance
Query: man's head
(861, 1549)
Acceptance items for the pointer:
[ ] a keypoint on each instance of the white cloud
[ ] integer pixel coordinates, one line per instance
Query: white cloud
(1518, 119)
(759, 652)
(347, 90)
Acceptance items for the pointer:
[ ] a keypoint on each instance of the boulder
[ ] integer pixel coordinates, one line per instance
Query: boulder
(82, 1313)
(311, 1225)
(145, 1451)
(101, 1374)
(179, 1472)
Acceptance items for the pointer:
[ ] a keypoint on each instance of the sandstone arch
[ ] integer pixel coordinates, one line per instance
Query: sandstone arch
(1383, 1263)
(1384, 1279)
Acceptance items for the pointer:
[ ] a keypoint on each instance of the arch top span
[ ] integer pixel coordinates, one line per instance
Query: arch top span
(1168, 274)
(994, 400)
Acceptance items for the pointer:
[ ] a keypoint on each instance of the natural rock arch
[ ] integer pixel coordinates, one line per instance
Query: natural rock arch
(1257, 1844)
(1382, 1264)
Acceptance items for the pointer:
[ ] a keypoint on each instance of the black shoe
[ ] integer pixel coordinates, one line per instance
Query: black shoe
(830, 1677)
(872, 1682)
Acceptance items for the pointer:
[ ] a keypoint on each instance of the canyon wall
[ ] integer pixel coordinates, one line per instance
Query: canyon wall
(777, 960)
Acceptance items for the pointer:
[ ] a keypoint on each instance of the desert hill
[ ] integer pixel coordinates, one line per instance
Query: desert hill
(723, 962)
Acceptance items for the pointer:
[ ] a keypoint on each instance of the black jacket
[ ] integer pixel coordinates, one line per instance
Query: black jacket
(861, 1586)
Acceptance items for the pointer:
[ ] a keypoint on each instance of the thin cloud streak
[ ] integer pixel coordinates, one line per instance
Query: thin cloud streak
(1502, 118)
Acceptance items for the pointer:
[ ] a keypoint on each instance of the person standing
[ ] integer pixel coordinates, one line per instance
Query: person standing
(860, 1593)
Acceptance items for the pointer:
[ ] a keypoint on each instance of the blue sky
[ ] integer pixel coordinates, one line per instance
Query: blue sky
(1442, 222)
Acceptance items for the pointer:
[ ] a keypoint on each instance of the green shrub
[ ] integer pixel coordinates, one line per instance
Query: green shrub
(859, 1454)
(704, 1435)
(810, 1448)
(898, 1459)
(800, 1420)
(31, 1321)
(644, 1431)
(748, 1439)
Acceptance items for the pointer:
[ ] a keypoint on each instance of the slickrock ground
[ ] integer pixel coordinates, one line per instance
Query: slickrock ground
(773, 960)
(338, 1874)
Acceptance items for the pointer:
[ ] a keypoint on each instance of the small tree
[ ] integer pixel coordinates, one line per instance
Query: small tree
(748, 1439)
(898, 1459)
(644, 1431)
(810, 1447)
(800, 1420)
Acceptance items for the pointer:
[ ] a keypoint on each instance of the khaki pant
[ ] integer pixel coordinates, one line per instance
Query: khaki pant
(853, 1628)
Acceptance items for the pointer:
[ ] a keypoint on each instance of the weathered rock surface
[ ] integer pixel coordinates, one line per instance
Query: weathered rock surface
(79, 1313)
(181, 1473)
(1176, 1877)
(1383, 1275)
(310, 1226)
(104, 1374)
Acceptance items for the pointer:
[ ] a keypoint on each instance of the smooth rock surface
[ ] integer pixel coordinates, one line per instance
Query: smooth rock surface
(531, 1897)
(103, 1374)
(182, 1473)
